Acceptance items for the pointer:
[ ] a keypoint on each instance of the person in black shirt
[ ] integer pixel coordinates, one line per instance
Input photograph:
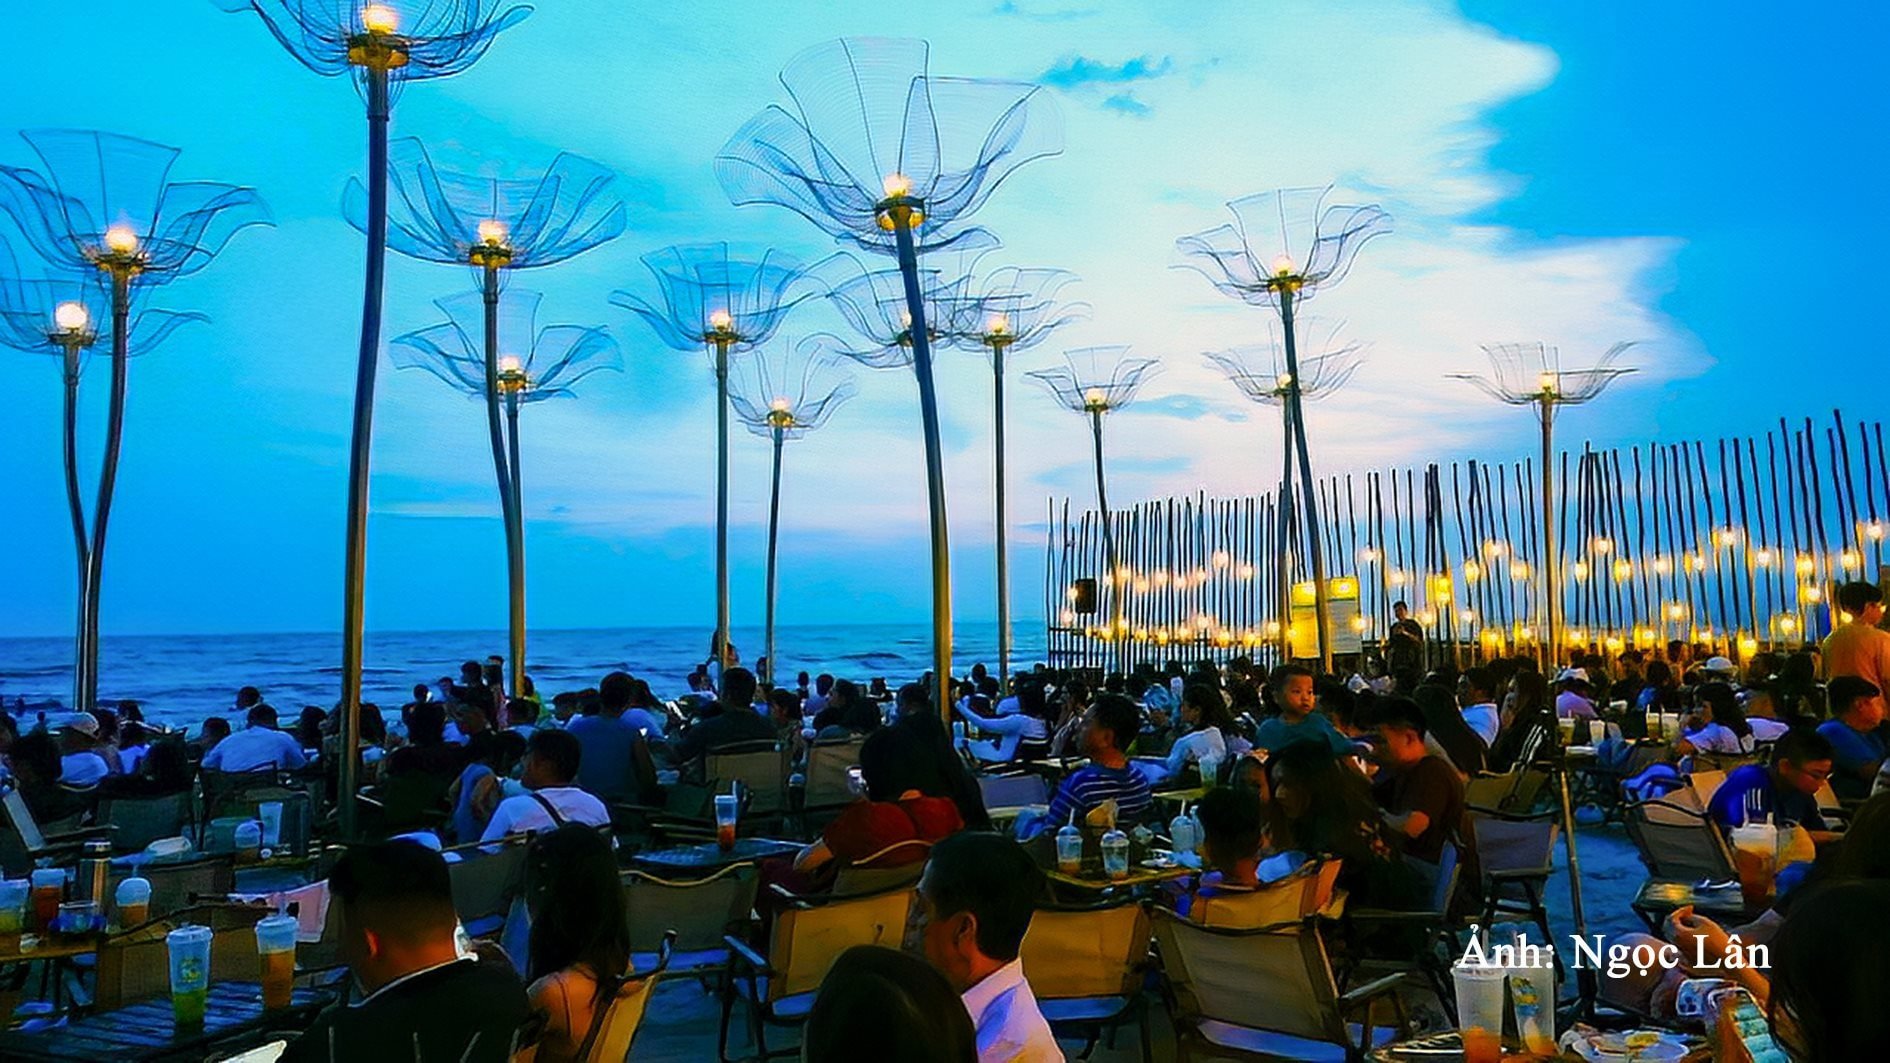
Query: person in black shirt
(421, 999)
(730, 720)
(1420, 795)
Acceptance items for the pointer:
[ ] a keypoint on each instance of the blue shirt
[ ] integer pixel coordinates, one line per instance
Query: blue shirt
(1276, 734)
(606, 744)
(1093, 784)
(1851, 752)
(1783, 804)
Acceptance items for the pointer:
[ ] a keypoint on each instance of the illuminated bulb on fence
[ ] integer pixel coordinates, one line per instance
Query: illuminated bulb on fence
(1748, 646)
(1494, 548)
(1358, 623)
(1471, 570)
(1273, 627)
(121, 238)
(1787, 624)
(1397, 577)
(71, 317)
(1221, 559)
(1602, 546)
(1427, 618)
(1805, 565)
(1810, 594)
(1848, 559)
(1762, 558)
(1873, 531)
(1662, 565)
(1623, 569)
(1368, 555)
(1696, 563)
(1069, 616)
(379, 18)
(1246, 571)
(1579, 570)
(1518, 570)
(1141, 586)
(1676, 611)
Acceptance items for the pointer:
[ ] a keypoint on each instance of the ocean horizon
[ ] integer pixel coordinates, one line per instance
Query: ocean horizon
(178, 680)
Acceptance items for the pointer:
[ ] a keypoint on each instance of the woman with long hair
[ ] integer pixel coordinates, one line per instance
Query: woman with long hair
(1531, 713)
(1323, 806)
(580, 938)
(1723, 725)
(1445, 730)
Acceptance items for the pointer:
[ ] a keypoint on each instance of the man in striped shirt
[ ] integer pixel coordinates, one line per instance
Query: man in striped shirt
(1111, 723)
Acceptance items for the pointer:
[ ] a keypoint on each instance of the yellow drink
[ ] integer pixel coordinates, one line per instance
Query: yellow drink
(278, 979)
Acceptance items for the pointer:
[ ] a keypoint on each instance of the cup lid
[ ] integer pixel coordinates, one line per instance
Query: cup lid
(189, 935)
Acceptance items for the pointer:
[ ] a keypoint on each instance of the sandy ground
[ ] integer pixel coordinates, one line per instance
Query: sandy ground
(682, 1021)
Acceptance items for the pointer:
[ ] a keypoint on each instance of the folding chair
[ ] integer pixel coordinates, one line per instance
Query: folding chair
(1086, 967)
(828, 763)
(700, 914)
(1308, 891)
(1678, 843)
(899, 864)
(760, 766)
(138, 821)
(1516, 856)
(1265, 994)
(614, 1026)
(486, 879)
(183, 884)
(29, 841)
(1424, 938)
(809, 933)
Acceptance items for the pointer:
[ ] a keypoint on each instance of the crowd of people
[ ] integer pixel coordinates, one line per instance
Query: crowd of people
(1367, 771)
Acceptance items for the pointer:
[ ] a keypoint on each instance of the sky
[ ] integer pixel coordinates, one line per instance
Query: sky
(1700, 179)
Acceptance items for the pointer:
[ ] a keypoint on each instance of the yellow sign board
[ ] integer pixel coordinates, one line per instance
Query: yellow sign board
(1341, 612)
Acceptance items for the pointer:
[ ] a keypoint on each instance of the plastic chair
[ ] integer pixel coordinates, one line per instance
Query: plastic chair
(695, 916)
(1265, 993)
(1086, 968)
(1418, 941)
(809, 933)
(1679, 843)
(1309, 890)
(897, 865)
(485, 881)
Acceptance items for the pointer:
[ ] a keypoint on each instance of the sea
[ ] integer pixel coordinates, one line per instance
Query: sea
(179, 679)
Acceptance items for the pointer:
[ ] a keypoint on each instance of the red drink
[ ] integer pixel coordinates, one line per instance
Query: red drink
(46, 900)
(1482, 1046)
(725, 835)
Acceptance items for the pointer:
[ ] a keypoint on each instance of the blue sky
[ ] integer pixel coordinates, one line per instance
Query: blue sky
(1700, 179)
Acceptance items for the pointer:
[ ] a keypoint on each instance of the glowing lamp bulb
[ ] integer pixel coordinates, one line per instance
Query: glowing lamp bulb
(1873, 530)
(1546, 381)
(780, 406)
(1676, 611)
(380, 18)
(1848, 559)
(1094, 396)
(1285, 380)
(1602, 546)
(897, 185)
(121, 238)
(1763, 558)
(998, 326)
(720, 320)
(1284, 266)
(71, 317)
(509, 365)
(494, 233)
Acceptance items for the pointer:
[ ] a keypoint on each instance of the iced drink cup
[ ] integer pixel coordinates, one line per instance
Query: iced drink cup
(725, 813)
(189, 948)
(1480, 1011)
(275, 940)
(49, 891)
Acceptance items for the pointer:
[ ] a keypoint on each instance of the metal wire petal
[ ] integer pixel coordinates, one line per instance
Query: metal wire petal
(698, 282)
(1291, 229)
(1093, 378)
(795, 390)
(438, 37)
(1259, 369)
(1520, 373)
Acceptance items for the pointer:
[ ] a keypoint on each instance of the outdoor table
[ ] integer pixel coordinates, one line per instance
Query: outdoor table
(49, 947)
(147, 1031)
(1191, 794)
(708, 857)
(1658, 898)
(1139, 875)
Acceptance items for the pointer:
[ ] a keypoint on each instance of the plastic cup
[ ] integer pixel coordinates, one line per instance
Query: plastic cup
(13, 896)
(133, 902)
(189, 948)
(249, 841)
(1069, 850)
(1532, 1001)
(275, 941)
(1480, 1011)
(270, 814)
(78, 917)
(1115, 854)
(1755, 852)
(1567, 726)
(726, 810)
(49, 891)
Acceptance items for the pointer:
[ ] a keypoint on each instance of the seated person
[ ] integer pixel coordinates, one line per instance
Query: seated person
(481, 786)
(1854, 731)
(35, 762)
(1476, 691)
(258, 745)
(907, 799)
(1292, 688)
(974, 908)
(552, 797)
(81, 763)
(422, 999)
(848, 712)
(1210, 737)
(1572, 701)
(1111, 723)
(1323, 805)
(879, 1004)
(728, 721)
(580, 935)
(1420, 796)
(609, 739)
(1786, 790)
(1015, 721)
(1232, 829)
(1723, 726)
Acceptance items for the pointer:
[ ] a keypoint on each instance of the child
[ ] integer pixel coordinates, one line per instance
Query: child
(1292, 688)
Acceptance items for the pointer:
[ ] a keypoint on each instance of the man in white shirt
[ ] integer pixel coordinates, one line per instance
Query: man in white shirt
(550, 801)
(1479, 704)
(975, 903)
(256, 746)
(79, 765)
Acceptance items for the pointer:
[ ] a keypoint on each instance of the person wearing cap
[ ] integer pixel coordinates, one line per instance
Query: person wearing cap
(1722, 669)
(1572, 702)
(256, 746)
(79, 763)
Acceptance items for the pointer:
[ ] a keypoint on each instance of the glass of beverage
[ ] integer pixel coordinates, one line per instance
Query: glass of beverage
(1115, 854)
(1755, 851)
(133, 902)
(726, 810)
(13, 896)
(1480, 1011)
(275, 940)
(78, 917)
(1567, 726)
(270, 815)
(189, 948)
(49, 891)
(1532, 1000)
(249, 842)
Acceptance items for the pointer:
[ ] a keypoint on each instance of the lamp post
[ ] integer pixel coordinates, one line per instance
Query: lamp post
(535, 219)
(785, 398)
(1095, 381)
(726, 302)
(1264, 375)
(384, 49)
(859, 153)
(1282, 247)
(105, 206)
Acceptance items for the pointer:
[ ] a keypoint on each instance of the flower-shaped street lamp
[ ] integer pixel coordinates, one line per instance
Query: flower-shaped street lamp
(495, 225)
(876, 151)
(1095, 381)
(1014, 309)
(555, 358)
(1282, 247)
(1260, 371)
(786, 397)
(717, 299)
(385, 45)
(105, 205)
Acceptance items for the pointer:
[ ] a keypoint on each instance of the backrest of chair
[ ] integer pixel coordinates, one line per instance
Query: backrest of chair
(1275, 979)
(1705, 783)
(1645, 754)
(621, 1021)
(827, 766)
(484, 883)
(806, 940)
(1490, 790)
(1014, 791)
(22, 819)
(1094, 952)
(1505, 844)
(227, 793)
(1678, 843)
(1827, 798)
(899, 864)
(763, 771)
(183, 884)
(138, 821)
(699, 911)
(1292, 898)
(135, 965)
